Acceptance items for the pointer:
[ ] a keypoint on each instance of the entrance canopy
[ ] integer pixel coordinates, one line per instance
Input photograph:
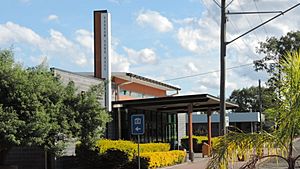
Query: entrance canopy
(178, 104)
(165, 108)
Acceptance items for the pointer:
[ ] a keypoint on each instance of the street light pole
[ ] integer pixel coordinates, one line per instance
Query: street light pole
(222, 127)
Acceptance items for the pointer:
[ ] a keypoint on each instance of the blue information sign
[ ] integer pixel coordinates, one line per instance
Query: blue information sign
(137, 124)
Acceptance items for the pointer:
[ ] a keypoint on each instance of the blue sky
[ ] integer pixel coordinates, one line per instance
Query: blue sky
(160, 39)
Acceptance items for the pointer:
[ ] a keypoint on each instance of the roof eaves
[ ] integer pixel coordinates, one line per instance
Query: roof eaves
(152, 81)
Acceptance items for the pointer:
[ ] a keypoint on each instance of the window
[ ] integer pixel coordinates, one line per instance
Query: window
(124, 92)
(136, 94)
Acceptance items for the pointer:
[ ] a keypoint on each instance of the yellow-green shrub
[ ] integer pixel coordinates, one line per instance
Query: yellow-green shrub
(154, 147)
(202, 138)
(162, 159)
(126, 146)
(215, 141)
(131, 148)
(198, 138)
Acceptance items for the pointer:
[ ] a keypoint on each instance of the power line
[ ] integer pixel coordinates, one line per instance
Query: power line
(205, 73)
(247, 19)
(229, 3)
(208, 10)
(210, 13)
(260, 18)
(237, 31)
(217, 3)
(269, 20)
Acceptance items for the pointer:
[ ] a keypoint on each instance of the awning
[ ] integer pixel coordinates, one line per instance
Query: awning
(179, 104)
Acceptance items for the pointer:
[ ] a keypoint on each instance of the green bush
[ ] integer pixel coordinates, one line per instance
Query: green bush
(90, 158)
(113, 159)
(162, 159)
(144, 162)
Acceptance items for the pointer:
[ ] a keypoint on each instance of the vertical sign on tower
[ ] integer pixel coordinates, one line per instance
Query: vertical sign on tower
(102, 51)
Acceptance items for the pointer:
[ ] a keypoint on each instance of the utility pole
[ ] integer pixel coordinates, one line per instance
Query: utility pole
(260, 104)
(224, 43)
(222, 127)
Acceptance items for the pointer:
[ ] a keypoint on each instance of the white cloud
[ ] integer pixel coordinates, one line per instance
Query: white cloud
(185, 21)
(57, 39)
(191, 67)
(52, 17)
(155, 20)
(11, 33)
(188, 39)
(198, 36)
(38, 59)
(143, 56)
(82, 60)
(85, 38)
(119, 62)
(56, 46)
(201, 37)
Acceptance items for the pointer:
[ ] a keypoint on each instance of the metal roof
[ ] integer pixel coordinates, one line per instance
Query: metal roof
(179, 104)
(144, 80)
(131, 77)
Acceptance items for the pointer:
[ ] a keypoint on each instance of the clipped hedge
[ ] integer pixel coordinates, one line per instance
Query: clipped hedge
(199, 139)
(197, 142)
(154, 147)
(127, 147)
(130, 148)
(121, 154)
(162, 159)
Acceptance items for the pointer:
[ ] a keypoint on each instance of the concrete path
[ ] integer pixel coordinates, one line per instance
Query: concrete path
(199, 163)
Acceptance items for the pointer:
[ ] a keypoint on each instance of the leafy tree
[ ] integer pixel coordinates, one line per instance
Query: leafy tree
(36, 109)
(92, 116)
(273, 49)
(280, 142)
(248, 99)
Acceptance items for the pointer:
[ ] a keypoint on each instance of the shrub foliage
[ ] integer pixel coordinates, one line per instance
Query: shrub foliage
(162, 159)
(121, 154)
(129, 147)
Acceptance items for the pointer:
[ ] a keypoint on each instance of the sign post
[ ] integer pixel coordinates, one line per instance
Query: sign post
(137, 128)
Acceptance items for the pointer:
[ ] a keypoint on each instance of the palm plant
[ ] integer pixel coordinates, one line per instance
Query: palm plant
(279, 143)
